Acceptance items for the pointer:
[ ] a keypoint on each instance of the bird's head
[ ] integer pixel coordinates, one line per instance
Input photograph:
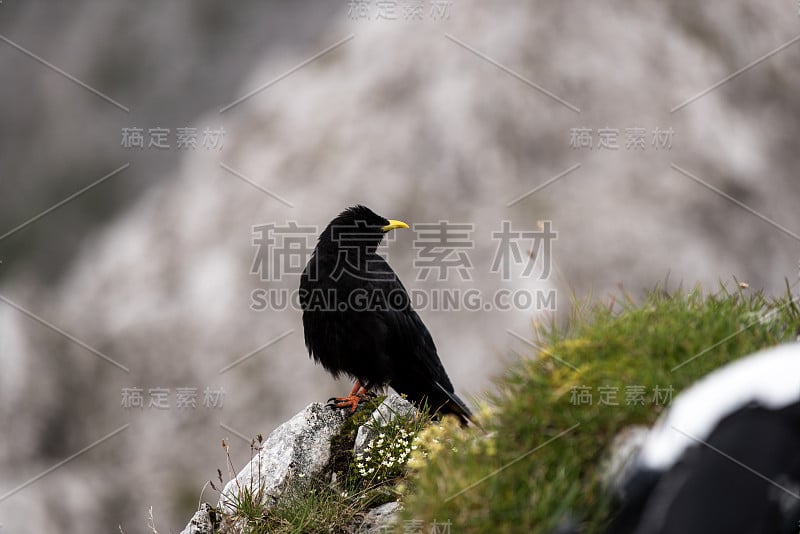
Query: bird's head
(358, 227)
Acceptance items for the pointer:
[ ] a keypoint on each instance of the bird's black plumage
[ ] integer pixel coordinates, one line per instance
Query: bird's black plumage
(358, 318)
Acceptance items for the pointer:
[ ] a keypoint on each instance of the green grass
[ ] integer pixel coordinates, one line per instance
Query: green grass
(538, 467)
(315, 509)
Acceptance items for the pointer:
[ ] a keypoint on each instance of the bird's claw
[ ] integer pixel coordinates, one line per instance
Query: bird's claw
(351, 401)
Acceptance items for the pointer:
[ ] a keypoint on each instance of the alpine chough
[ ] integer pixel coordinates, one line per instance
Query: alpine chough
(358, 319)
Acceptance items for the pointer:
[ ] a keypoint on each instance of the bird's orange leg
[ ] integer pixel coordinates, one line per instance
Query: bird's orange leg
(351, 401)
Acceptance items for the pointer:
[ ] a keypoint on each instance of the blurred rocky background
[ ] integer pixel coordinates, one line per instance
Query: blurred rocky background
(142, 275)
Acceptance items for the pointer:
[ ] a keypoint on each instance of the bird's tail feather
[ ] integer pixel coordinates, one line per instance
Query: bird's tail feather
(456, 406)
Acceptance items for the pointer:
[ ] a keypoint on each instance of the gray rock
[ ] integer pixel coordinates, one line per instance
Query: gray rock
(622, 455)
(393, 407)
(379, 519)
(201, 522)
(297, 450)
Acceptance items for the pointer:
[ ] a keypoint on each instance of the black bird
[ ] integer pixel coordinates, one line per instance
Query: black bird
(358, 318)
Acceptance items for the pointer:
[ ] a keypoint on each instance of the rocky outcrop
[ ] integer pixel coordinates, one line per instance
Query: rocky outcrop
(202, 521)
(299, 448)
(298, 451)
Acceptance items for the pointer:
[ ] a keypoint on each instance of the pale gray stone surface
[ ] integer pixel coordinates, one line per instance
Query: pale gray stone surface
(622, 455)
(298, 449)
(393, 407)
(201, 522)
(379, 518)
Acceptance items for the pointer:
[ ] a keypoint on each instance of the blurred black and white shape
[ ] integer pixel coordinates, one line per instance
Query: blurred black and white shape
(725, 458)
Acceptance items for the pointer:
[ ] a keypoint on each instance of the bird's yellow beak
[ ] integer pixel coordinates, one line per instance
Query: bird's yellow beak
(394, 224)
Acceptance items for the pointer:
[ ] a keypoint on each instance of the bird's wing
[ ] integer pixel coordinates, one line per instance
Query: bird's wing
(411, 345)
